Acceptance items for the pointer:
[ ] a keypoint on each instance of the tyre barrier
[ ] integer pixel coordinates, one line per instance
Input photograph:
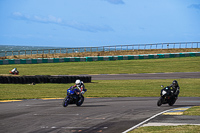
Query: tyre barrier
(43, 79)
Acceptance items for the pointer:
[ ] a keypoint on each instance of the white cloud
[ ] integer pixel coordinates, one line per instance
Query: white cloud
(115, 1)
(59, 21)
(17, 14)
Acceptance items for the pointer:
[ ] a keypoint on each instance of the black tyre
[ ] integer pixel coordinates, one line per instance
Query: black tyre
(65, 102)
(171, 103)
(80, 100)
(1, 79)
(160, 100)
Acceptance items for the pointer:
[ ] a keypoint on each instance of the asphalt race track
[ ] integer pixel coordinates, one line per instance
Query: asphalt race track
(176, 75)
(107, 115)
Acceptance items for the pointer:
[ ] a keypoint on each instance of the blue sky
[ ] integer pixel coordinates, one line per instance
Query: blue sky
(85, 23)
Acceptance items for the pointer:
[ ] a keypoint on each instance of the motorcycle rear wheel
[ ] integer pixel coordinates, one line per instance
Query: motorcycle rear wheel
(80, 101)
(171, 103)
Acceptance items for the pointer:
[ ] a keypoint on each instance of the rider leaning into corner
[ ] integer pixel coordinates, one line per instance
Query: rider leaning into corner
(14, 70)
(80, 85)
(175, 87)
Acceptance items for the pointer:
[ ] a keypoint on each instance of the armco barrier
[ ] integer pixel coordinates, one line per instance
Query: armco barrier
(97, 58)
(43, 79)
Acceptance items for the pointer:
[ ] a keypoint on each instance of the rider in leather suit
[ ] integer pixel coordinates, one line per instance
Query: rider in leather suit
(175, 87)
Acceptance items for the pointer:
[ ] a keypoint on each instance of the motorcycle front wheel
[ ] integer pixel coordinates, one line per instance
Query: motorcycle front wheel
(65, 102)
(159, 103)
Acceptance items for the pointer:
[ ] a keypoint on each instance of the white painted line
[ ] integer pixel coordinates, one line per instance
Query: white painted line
(145, 121)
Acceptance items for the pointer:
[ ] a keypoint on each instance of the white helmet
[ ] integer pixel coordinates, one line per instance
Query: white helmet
(78, 82)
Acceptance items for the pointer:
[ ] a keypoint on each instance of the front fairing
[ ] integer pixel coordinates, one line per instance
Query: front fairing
(165, 92)
(72, 91)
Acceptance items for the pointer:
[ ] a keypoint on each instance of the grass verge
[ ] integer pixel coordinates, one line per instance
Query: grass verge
(168, 129)
(192, 111)
(100, 88)
(187, 64)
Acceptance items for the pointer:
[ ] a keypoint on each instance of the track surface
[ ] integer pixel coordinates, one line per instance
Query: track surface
(176, 75)
(95, 115)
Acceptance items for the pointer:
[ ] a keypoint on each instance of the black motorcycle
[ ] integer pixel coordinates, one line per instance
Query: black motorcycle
(166, 96)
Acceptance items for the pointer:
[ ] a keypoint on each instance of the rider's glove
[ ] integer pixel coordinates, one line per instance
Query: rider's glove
(82, 92)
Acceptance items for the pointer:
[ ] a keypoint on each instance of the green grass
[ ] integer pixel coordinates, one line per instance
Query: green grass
(168, 129)
(100, 88)
(187, 64)
(104, 88)
(192, 111)
(110, 88)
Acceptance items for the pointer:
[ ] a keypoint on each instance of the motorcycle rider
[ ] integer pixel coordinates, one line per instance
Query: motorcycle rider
(80, 85)
(14, 71)
(175, 87)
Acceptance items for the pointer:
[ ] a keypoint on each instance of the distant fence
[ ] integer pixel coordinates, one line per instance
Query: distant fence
(103, 48)
(97, 58)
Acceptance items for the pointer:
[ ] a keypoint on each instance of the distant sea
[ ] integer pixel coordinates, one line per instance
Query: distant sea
(16, 48)
(4, 48)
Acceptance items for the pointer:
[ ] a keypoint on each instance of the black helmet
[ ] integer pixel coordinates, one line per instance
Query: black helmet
(175, 83)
